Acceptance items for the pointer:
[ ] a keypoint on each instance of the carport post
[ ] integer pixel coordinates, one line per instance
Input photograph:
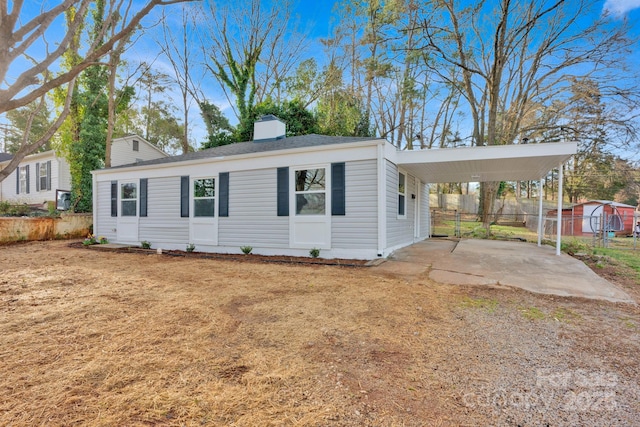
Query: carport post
(559, 217)
(540, 213)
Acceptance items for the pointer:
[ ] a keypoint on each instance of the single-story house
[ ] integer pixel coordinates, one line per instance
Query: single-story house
(350, 197)
(594, 216)
(45, 177)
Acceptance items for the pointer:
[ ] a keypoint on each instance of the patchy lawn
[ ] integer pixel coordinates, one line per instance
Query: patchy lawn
(102, 338)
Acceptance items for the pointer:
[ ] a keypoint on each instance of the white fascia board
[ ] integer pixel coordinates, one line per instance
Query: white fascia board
(490, 152)
(252, 161)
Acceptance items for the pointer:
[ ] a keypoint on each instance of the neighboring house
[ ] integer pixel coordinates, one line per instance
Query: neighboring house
(42, 177)
(594, 216)
(349, 197)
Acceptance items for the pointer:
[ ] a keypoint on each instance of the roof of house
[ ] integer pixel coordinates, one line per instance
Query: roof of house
(5, 156)
(250, 147)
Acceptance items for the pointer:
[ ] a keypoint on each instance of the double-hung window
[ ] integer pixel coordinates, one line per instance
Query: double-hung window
(310, 191)
(402, 195)
(204, 191)
(129, 198)
(24, 179)
(42, 176)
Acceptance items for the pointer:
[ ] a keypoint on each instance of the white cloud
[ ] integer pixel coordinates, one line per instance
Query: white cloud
(620, 7)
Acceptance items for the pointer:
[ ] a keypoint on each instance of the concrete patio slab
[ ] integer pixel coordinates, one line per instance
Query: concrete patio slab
(514, 264)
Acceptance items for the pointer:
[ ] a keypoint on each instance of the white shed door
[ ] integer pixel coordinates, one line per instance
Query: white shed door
(591, 218)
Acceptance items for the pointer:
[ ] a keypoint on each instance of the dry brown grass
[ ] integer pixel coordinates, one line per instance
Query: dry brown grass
(98, 338)
(117, 339)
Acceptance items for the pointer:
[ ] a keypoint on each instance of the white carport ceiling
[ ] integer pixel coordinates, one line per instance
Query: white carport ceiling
(525, 162)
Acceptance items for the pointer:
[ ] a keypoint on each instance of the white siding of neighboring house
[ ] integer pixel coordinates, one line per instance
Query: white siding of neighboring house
(64, 175)
(58, 168)
(253, 219)
(400, 231)
(105, 224)
(163, 223)
(122, 152)
(358, 228)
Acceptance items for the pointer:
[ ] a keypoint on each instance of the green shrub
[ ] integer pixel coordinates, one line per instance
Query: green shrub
(246, 249)
(191, 247)
(145, 244)
(315, 253)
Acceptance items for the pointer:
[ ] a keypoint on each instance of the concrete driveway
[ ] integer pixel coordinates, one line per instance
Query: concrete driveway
(499, 263)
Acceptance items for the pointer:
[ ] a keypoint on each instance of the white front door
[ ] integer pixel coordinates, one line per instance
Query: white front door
(127, 225)
(203, 222)
(310, 219)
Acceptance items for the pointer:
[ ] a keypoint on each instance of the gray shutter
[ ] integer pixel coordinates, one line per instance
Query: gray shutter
(28, 178)
(114, 198)
(283, 191)
(184, 196)
(38, 177)
(223, 194)
(18, 180)
(48, 175)
(338, 193)
(143, 197)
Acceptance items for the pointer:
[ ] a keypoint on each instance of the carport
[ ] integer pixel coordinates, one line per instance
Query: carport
(520, 162)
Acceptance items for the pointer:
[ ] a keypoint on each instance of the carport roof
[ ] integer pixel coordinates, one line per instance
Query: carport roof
(523, 162)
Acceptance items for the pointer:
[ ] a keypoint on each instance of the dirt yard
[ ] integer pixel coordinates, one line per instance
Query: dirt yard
(89, 337)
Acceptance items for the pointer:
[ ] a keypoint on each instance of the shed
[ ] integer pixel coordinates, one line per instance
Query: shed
(350, 197)
(594, 216)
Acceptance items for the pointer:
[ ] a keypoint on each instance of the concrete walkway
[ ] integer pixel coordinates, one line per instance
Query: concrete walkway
(499, 263)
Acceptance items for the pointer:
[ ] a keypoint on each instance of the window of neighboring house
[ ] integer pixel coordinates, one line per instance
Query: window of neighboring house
(129, 198)
(23, 179)
(402, 194)
(42, 176)
(204, 191)
(310, 191)
(136, 146)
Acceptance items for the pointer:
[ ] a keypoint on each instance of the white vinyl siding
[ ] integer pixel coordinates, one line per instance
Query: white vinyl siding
(253, 216)
(122, 152)
(357, 229)
(62, 172)
(400, 231)
(163, 222)
(106, 224)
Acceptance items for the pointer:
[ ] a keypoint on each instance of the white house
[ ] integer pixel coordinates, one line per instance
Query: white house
(349, 197)
(42, 177)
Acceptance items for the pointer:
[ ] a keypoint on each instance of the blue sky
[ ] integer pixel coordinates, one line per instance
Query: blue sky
(315, 16)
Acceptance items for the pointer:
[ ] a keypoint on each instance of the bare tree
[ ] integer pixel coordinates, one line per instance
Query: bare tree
(250, 51)
(517, 56)
(25, 72)
(178, 47)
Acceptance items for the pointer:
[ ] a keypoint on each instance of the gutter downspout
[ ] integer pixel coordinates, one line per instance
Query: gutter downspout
(559, 216)
(382, 197)
(540, 226)
(94, 201)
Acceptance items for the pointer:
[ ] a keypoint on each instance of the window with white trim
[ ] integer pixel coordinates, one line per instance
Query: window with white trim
(136, 146)
(42, 176)
(310, 191)
(402, 195)
(204, 192)
(23, 179)
(129, 198)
